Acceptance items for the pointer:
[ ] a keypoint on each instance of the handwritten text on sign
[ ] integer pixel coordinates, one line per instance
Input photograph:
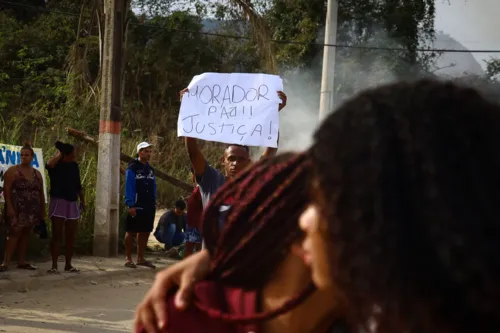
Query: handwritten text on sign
(11, 155)
(232, 108)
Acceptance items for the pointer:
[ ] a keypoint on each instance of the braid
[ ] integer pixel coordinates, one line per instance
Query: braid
(260, 226)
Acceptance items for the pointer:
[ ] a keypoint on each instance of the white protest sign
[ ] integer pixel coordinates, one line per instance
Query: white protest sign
(232, 108)
(11, 155)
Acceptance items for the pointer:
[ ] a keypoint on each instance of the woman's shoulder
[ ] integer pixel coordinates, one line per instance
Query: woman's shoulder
(11, 171)
(38, 173)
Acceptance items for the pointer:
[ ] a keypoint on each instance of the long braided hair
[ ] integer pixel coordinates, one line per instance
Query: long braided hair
(261, 225)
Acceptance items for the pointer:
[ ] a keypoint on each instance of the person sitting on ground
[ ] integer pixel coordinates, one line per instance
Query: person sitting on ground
(256, 281)
(64, 211)
(194, 211)
(235, 159)
(25, 207)
(171, 226)
(140, 199)
(405, 217)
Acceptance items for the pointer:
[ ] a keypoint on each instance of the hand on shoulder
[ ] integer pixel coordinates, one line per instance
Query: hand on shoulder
(151, 315)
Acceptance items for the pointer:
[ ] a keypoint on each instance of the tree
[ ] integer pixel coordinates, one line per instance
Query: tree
(394, 24)
(50, 73)
(32, 66)
(239, 10)
(407, 25)
(24, 10)
(493, 69)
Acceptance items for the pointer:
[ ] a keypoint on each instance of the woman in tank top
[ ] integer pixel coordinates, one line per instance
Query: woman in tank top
(25, 207)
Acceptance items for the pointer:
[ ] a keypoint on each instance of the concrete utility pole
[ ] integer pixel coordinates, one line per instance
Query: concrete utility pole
(328, 74)
(108, 165)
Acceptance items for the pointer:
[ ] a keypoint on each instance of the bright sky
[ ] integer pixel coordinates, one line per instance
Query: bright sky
(473, 23)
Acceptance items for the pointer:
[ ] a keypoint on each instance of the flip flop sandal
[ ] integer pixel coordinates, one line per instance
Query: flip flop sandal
(130, 264)
(53, 271)
(72, 270)
(28, 267)
(146, 264)
(3, 269)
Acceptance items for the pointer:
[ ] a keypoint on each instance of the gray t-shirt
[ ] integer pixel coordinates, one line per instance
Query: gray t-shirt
(209, 183)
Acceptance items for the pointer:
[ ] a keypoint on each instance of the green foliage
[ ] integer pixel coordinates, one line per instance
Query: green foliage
(395, 24)
(32, 76)
(49, 80)
(407, 25)
(493, 69)
(50, 67)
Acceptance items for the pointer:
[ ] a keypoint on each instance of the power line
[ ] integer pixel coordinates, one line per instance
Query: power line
(291, 42)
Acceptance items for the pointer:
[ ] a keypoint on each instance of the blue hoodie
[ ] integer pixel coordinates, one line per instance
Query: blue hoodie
(140, 186)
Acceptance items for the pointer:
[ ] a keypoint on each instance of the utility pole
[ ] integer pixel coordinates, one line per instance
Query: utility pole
(328, 75)
(108, 164)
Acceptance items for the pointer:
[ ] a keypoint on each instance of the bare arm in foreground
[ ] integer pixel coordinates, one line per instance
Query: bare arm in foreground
(151, 314)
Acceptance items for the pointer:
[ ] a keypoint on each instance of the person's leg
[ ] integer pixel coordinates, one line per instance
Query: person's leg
(13, 236)
(130, 235)
(169, 235)
(70, 228)
(178, 238)
(145, 229)
(57, 231)
(22, 248)
(142, 243)
(129, 243)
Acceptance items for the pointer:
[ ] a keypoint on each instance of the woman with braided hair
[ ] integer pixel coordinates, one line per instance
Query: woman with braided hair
(257, 279)
(406, 220)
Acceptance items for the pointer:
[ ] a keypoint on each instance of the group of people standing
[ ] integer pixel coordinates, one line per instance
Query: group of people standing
(388, 223)
(24, 208)
(25, 205)
(175, 227)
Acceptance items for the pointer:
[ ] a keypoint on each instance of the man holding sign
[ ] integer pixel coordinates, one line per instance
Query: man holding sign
(237, 109)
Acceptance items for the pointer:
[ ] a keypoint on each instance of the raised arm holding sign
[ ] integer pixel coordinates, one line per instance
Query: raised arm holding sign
(232, 108)
(206, 108)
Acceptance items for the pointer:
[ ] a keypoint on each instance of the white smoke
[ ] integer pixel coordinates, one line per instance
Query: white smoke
(300, 118)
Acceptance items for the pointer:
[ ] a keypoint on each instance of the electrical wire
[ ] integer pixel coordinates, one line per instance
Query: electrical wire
(213, 34)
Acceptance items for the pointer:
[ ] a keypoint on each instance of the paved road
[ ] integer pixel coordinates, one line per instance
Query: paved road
(105, 306)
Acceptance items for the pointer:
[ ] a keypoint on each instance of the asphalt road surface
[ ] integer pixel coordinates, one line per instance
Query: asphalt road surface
(104, 306)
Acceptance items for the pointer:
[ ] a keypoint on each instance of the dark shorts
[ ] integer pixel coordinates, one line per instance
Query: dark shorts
(143, 222)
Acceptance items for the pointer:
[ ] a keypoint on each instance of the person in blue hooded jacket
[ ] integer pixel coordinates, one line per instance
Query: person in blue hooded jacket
(140, 199)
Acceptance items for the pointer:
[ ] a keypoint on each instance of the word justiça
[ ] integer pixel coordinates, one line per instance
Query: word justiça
(212, 128)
